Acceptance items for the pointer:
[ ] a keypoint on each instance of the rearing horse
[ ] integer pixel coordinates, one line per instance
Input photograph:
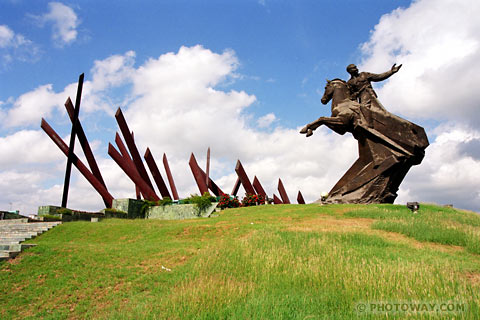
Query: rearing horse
(388, 146)
(346, 112)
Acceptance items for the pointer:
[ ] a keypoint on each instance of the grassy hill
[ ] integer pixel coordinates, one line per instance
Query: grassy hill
(266, 262)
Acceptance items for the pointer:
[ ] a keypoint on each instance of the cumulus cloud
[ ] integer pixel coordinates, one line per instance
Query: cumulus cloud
(33, 105)
(113, 71)
(437, 42)
(266, 120)
(26, 147)
(14, 46)
(64, 22)
(450, 172)
(43, 101)
(6, 36)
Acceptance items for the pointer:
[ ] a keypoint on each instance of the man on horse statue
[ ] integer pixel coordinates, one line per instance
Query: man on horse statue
(361, 87)
(388, 145)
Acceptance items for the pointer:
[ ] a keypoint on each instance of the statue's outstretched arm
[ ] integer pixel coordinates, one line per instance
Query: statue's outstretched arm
(383, 76)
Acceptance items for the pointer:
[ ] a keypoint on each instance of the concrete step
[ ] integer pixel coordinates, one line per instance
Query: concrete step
(11, 247)
(19, 235)
(9, 221)
(8, 242)
(23, 226)
(2, 239)
(12, 233)
(4, 255)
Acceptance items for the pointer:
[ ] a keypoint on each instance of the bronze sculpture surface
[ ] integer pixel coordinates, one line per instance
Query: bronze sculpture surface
(388, 145)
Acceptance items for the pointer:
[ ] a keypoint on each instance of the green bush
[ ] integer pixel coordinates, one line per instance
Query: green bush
(164, 202)
(202, 203)
(115, 213)
(64, 212)
(49, 217)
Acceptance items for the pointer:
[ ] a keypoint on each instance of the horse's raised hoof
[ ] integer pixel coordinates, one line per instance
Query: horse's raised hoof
(304, 130)
(309, 132)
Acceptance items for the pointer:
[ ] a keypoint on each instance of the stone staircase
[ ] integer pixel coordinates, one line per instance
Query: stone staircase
(15, 231)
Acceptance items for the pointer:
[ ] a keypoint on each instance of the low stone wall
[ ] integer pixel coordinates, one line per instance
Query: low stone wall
(48, 210)
(179, 212)
(132, 207)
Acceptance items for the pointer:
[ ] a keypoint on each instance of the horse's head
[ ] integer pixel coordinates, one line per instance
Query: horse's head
(330, 88)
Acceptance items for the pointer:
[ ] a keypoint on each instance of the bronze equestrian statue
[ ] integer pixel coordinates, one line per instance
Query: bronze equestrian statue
(387, 144)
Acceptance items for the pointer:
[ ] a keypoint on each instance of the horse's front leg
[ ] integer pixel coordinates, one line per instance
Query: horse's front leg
(309, 128)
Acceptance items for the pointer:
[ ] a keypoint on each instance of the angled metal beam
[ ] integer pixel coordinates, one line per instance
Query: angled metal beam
(170, 178)
(236, 186)
(132, 148)
(82, 138)
(100, 188)
(258, 187)
(207, 170)
(300, 199)
(199, 179)
(157, 177)
(138, 193)
(276, 200)
(244, 178)
(211, 184)
(132, 174)
(283, 193)
(71, 145)
(123, 149)
(129, 162)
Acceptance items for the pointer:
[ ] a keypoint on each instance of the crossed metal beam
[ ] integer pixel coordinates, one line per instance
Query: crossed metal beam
(134, 168)
(129, 160)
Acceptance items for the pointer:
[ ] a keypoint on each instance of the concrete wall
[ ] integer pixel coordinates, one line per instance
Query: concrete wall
(178, 212)
(131, 206)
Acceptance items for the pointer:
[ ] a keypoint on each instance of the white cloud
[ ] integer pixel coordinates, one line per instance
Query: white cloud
(30, 107)
(449, 174)
(64, 23)
(438, 43)
(14, 46)
(266, 120)
(27, 147)
(43, 101)
(6, 36)
(113, 71)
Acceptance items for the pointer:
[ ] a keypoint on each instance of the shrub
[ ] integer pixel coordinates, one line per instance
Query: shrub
(49, 217)
(252, 200)
(64, 212)
(115, 213)
(201, 202)
(227, 201)
(164, 202)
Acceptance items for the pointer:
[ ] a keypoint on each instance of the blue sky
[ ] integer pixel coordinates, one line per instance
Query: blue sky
(258, 68)
(285, 48)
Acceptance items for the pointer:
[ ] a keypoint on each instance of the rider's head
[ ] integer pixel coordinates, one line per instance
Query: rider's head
(352, 69)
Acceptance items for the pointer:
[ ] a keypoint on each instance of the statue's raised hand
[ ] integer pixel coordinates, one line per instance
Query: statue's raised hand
(395, 68)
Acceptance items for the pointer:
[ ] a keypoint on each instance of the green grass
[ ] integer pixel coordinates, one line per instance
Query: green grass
(267, 262)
